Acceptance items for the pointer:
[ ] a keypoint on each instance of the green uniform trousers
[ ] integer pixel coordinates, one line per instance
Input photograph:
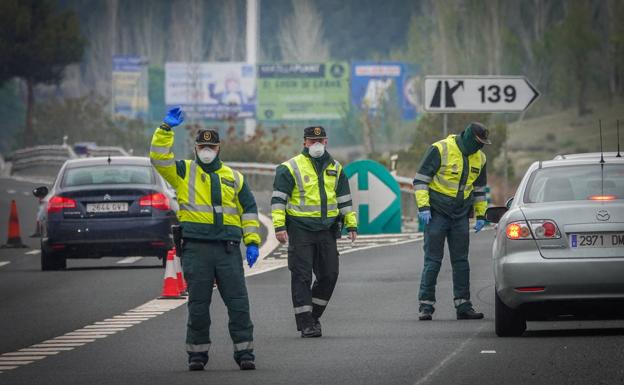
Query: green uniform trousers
(207, 262)
(311, 252)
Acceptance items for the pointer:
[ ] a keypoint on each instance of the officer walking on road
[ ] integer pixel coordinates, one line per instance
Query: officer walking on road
(311, 202)
(449, 184)
(217, 208)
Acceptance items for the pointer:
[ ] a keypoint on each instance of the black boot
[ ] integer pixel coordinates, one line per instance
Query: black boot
(197, 361)
(425, 312)
(470, 313)
(317, 326)
(245, 361)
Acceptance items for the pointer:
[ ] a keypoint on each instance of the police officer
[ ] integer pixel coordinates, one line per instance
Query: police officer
(449, 184)
(217, 208)
(310, 203)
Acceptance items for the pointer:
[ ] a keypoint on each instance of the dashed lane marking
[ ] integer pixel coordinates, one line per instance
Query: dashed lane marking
(33, 252)
(11, 191)
(488, 351)
(4, 263)
(129, 260)
(425, 379)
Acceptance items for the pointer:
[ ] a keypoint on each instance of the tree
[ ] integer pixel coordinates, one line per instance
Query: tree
(37, 43)
(301, 35)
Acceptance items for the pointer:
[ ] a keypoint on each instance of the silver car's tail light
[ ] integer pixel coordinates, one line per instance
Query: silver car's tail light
(518, 230)
(544, 229)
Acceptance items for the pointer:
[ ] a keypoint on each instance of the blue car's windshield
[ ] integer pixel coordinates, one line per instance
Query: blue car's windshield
(574, 183)
(105, 174)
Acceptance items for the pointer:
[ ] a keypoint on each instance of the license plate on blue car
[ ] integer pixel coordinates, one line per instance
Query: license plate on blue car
(107, 207)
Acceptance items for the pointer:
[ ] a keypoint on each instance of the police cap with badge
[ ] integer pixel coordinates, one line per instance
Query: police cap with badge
(207, 136)
(314, 132)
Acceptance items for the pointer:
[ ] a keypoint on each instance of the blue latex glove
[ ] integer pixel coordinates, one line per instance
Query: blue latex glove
(252, 254)
(424, 216)
(174, 117)
(479, 225)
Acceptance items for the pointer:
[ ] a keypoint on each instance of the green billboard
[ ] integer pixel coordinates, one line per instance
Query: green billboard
(303, 91)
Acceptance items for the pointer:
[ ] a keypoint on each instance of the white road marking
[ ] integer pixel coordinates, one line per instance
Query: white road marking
(16, 362)
(71, 340)
(11, 191)
(130, 260)
(33, 252)
(7, 367)
(27, 358)
(448, 358)
(45, 349)
(59, 345)
(488, 351)
(72, 336)
(104, 327)
(4, 263)
(26, 193)
(28, 354)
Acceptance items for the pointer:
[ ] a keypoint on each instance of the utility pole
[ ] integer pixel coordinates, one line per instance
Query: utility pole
(252, 39)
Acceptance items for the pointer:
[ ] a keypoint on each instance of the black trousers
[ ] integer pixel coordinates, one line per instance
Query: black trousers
(311, 252)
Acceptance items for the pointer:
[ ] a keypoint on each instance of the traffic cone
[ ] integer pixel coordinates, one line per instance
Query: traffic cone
(170, 283)
(182, 287)
(14, 239)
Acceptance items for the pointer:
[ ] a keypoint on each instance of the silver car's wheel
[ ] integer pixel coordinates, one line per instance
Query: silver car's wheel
(508, 322)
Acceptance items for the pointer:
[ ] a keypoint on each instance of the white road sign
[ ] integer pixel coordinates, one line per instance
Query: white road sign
(478, 93)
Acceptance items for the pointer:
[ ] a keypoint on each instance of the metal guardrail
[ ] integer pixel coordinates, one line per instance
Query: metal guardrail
(260, 177)
(40, 160)
(47, 160)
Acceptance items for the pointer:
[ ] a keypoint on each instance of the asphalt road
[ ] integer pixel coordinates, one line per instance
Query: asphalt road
(371, 334)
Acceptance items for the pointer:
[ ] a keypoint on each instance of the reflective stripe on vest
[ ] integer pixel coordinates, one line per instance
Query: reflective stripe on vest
(300, 202)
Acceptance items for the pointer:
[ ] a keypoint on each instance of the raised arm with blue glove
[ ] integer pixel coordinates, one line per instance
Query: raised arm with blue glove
(174, 117)
(252, 254)
(479, 225)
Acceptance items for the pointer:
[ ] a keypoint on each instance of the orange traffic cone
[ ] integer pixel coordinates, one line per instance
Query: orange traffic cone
(170, 284)
(14, 239)
(182, 287)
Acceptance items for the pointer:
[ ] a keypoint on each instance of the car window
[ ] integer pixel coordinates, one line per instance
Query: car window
(574, 183)
(117, 174)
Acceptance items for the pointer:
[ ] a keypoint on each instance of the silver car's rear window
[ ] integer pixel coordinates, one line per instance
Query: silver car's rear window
(105, 174)
(575, 183)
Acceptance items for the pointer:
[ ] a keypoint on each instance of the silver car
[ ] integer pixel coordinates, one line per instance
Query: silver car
(559, 246)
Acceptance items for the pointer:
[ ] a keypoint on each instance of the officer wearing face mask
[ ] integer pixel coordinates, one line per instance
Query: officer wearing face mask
(449, 184)
(310, 204)
(217, 209)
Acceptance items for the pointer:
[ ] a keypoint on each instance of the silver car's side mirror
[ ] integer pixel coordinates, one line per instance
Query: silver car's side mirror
(494, 214)
(509, 202)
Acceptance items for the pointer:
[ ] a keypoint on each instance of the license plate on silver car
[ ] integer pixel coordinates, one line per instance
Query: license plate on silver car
(107, 207)
(585, 240)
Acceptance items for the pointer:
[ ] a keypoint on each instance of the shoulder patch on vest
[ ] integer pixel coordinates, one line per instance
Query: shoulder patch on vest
(228, 182)
(474, 169)
(331, 172)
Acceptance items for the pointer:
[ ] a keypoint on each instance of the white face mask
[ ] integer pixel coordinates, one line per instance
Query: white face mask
(316, 150)
(206, 155)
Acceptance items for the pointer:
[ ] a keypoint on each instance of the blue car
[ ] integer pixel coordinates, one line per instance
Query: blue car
(108, 206)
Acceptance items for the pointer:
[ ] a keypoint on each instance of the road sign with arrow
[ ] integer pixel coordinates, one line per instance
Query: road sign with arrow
(478, 93)
(376, 197)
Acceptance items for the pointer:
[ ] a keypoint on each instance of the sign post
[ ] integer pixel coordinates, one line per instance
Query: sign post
(376, 197)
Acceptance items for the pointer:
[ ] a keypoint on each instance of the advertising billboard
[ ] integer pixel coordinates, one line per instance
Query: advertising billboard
(303, 91)
(211, 90)
(373, 82)
(130, 87)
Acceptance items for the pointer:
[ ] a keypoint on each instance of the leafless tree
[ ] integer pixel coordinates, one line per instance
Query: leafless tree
(301, 35)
